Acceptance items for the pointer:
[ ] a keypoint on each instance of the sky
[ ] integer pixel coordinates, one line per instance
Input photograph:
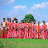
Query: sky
(19, 8)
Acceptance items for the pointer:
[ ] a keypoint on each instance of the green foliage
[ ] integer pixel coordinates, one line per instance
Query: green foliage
(29, 17)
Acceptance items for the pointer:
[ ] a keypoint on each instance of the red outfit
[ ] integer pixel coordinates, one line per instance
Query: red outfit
(10, 24)
(21, 30)
(15, 32)
(28, 30)
(3, 31)
(44, 33)
(34, 28)
(38, 32)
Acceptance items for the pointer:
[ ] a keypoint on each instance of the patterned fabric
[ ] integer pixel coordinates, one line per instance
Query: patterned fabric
(44, 32)
(15, 32)
(38, 32)
(21, 33)
(34, 28)
(10, 24)
(28, 30)
(3, 30)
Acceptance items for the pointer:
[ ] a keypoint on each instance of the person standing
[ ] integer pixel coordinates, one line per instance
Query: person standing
(38, 31)
(44, 32)
(7, 27)
(28, 30)
(14, 20)
(21, 29)
(34, 30)
(3, 29)
(15, 32)
(10, 24)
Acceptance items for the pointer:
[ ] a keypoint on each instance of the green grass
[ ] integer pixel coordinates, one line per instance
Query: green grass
(23, 43)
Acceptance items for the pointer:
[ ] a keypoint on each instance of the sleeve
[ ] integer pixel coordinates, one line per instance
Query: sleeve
(6, 24)
(42, 26)
(36, 25)
(46, 26)
(12, 25)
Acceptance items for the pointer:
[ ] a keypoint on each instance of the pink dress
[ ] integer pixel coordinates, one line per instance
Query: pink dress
(15, 32)
(34, 26)
(23, 30)
(7, 27)
(38, 32)
(44, 33)
(21, 33)
(28, 30)
(10, 24)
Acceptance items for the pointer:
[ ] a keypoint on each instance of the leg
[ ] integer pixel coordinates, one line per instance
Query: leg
(5, 34)
(1, 33)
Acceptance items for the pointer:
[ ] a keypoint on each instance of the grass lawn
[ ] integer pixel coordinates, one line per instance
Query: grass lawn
(23, 43)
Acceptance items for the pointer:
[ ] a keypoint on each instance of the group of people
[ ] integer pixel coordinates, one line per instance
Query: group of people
(13, 29)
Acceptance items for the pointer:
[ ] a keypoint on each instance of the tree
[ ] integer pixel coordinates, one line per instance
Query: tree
(29, 17)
